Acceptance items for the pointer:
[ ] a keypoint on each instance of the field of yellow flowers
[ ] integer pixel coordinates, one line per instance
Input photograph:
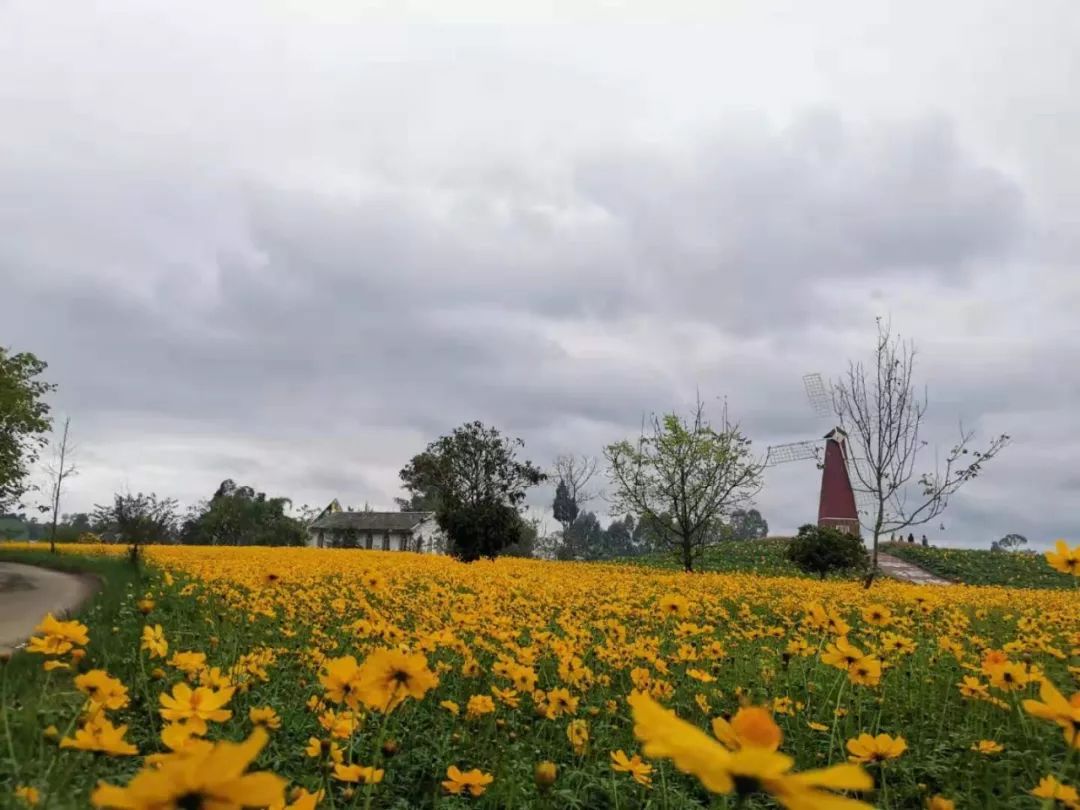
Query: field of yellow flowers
(259, 677)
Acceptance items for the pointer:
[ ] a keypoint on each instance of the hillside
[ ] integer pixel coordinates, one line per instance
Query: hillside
(750, 556)
(979, 567)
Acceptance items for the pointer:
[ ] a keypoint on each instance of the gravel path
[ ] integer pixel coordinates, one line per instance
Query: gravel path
(27, 593)
(909, 572)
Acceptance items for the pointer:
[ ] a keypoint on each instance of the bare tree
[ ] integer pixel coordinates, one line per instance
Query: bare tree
(882, 413)
(684, 479)
(59, 471)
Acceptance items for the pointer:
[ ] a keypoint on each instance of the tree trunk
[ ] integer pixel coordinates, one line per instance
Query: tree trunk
(688, 556)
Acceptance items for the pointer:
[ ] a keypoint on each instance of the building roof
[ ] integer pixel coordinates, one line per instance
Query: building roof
(371, 521)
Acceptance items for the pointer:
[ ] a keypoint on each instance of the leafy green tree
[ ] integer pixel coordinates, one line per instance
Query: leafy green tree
(240, 516)
(823, 550)
(479, 486)
(684, 477)
(748, 524)
(1010, 542)
(136, 520)
(564, 507)
(24, 421)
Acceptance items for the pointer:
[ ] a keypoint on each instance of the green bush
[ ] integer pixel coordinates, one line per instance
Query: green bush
(822, 550)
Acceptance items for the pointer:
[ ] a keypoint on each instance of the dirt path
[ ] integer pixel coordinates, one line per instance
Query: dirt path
(27, 593)
(909, 572)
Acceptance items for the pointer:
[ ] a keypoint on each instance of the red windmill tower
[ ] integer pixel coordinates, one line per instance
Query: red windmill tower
(838, 503)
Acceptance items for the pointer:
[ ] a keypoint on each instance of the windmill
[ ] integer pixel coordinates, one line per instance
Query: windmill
(840, 504)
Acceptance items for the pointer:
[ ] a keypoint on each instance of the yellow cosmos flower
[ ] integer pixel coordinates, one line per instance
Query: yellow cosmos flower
(865, 672)
(212, 778)
(98, 734)
(196, 706)
(674, 604)
(868, 748)
(102, 690)
(877, 615)
(577, 732)
(746, 771)
(359, 774)
(478, 706)
(1065, 559)
(28, 794)
(841, 654)
(1055, 708)
(640, 771)
(473, 782)
(57, 637)
(1008, 677)
(188, 662)
(153, 641)
(264, 716)
(940, 803)
(301, 799)
(1051, 788)
(752, 726)
(545, 773)
(340, 677)
(987, 747)
(450, 706)
(560, 702)
(389, 677)
(49, 666)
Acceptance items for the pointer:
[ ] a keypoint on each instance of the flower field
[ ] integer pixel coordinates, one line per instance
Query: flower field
(237, 677)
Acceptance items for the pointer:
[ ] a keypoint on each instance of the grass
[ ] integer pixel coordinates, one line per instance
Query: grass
(978, 567)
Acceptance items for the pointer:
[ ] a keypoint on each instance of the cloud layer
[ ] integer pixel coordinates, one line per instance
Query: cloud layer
(295, 254)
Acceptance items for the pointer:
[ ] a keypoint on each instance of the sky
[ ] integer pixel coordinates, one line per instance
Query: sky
(290, 243)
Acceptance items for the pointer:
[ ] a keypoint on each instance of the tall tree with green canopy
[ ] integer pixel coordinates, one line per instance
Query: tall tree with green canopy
(479, 488)
(24, 422)
(683, 478)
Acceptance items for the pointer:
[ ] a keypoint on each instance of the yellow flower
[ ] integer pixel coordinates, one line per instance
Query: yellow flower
(102, 690)
(153, 641)
(188, 662)
(211, 778)
(751, 726)
(987, 747)
(639, 770)
(301, 799)
(841, 654)
(49, 666)
(1051, 788)
(98, 734)
(28, 794)
(577, 732)
(340, 678)
(700, 675)
(817, 726)
(450, 706)
(478, 706)
(973, 688)
(674, 604)
(868, 748)
(940, 803)
(264, 716)
(57, 637)
(360, 774)
(145, 606)
(388, 677)
(1008, 677)
(1055, 708)
(748, 770)
(865, 672)
(545, 773)
(473, 782)
(877, 615)
(1065, 559)
(196, 706)
(559, 702)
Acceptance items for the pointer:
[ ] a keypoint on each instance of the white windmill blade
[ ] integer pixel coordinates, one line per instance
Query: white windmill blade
(792, 451)
(817, 394)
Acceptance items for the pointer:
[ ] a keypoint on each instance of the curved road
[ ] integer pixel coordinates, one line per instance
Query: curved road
(27, 593)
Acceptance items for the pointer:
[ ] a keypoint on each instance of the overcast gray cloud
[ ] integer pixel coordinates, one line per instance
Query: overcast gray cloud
(292, 247)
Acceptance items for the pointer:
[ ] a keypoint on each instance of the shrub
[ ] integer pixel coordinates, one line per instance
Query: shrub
(822, 550)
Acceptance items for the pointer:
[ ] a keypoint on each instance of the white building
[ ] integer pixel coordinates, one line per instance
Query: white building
(388, 531)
